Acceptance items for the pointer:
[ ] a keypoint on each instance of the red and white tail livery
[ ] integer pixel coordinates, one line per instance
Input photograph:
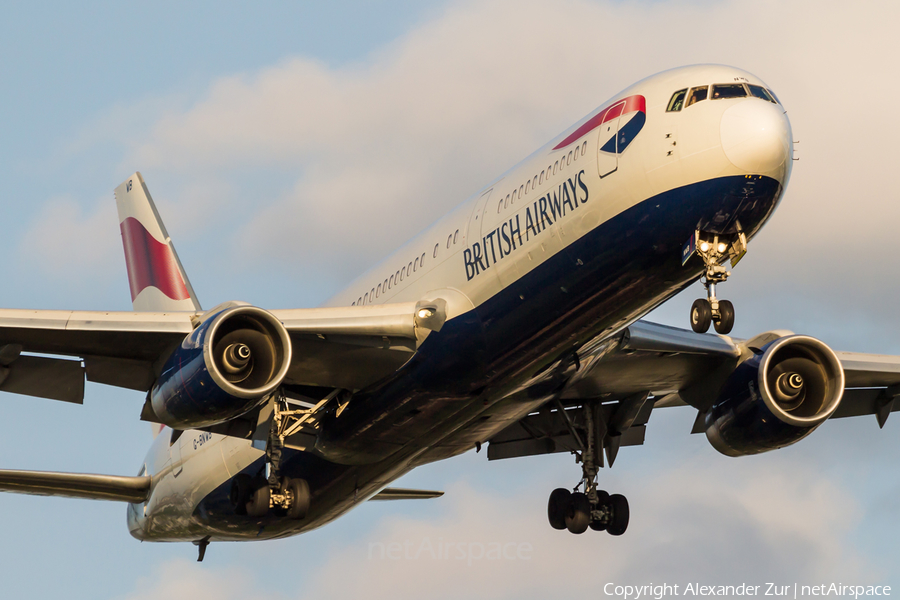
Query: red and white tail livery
(157, 279)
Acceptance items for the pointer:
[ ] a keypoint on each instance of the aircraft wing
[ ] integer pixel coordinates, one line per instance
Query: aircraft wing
(650, 366)
(50, 353)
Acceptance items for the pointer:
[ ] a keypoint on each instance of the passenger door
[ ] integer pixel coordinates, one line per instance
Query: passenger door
(608, 156)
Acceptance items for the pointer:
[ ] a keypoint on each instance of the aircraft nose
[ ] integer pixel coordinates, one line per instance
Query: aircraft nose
(756, 136)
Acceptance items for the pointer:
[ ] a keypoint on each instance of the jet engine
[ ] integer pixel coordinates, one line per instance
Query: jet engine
(224, 368)
(776, 398)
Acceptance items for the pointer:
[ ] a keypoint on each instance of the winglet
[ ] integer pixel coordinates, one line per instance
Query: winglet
(157, 279)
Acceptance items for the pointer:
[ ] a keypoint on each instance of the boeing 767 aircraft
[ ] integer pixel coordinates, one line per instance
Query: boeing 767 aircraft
(513, 321)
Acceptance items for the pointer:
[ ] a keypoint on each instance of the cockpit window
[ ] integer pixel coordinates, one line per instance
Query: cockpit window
(697, 94)
(677, 101)
(759, 91)
(728, 90)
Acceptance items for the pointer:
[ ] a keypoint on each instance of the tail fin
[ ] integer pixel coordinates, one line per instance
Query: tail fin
(157, 279)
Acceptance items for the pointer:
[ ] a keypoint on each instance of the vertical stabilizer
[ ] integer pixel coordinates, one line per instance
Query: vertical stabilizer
(157, 279)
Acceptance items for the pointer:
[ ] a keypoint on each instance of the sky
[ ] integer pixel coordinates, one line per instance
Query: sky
(289, 146)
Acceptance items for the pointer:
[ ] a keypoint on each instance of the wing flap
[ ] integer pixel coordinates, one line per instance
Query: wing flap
(76, 485)
(42, 377)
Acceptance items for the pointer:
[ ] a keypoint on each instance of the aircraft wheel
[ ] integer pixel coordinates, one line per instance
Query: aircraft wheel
(299, 490)
(620, 513)
(726, 317)
(578, 515)
(701, 315)
(241, 489)
(557, 507)
(258, 504)
(602, 500)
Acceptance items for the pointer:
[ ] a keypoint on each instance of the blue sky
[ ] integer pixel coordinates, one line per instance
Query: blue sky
(289, 146)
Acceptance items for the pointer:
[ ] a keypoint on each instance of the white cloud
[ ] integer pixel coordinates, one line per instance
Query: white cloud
(372, 151)
(186, 580)
(73, 243)
(689, 523)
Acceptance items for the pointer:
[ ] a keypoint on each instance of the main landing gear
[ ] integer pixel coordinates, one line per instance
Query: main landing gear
(591, 508)
(714, 250)
(288, 496)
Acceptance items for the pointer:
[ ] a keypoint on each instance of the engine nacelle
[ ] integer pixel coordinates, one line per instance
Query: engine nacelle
(224, 368)
(777, 398)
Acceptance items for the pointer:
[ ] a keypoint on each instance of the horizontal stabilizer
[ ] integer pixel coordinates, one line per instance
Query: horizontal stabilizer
(405, 494)
(76, 485)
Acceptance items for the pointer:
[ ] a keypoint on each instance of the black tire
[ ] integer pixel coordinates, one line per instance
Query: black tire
(726, 317)
(602, 500)
(241, 488)
(620, 514)
(299, 490)
(258, 504)
(578, 515)
(557, 507)
(701, 315)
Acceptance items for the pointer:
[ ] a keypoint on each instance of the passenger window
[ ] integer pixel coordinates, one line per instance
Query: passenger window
(506, 202)
(397, 277)
(359, 301)
(390, 282)
(514, 197)
(527, 185)
(728, 90)
(583, 148)
(402, 273)
(378, 290)
(434, 255)
(351, 304)
(677, 101)
(698, 94)
(449, 237)
(521, 191)
(555, 165)
(569, 160)
(416, 264)
(384, 286)
(409, 268)
(534, 183)
(366, 298)
(576, 153)
(455, 235)
(500, 206)
(372, 295)
(422, 260)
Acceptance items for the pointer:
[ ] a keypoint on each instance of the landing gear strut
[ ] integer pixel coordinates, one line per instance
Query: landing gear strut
(255, 496)
(592, 507)
(714, 250)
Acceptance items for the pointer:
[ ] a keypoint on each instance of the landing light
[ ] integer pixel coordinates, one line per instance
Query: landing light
(722, 247)
(425, 313)
(704, 246)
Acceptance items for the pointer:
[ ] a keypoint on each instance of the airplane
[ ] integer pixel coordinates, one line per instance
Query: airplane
(514, 321)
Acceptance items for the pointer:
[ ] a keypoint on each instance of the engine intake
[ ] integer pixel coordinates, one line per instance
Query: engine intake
(224, 368)
(777, 398)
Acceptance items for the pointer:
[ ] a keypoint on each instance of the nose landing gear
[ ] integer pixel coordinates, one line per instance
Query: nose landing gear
(714, 250)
